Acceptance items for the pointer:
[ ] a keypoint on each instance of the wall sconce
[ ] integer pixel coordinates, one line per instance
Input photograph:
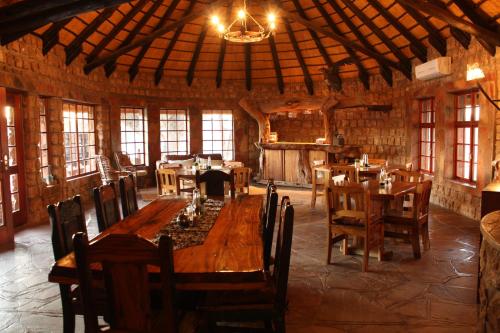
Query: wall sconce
(474, 72)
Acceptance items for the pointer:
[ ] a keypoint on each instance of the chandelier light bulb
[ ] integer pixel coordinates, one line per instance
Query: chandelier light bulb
(272, 26)
(271, 18)
(215, 20)
(241, 14)
(220, 28)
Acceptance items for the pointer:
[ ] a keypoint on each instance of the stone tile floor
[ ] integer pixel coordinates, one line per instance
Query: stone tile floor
(433, 294)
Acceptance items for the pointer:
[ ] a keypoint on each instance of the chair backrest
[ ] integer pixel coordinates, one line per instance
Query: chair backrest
(124, 259)
(166, 181)
(66, 219)
(347, 200)
(338, 180)
(422, 199)
(214, 182)
(242, 179)
(106, 206)
(105, 168)
(377, 161)
(347, 170)
(268, 229)
(407, 176)
(128, 195)
(283, 253)
(270, 184)
(122, 160)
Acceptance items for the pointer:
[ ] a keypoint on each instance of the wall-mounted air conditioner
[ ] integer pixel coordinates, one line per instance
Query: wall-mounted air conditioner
(433, 69)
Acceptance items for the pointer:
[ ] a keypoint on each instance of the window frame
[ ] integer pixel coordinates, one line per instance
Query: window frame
(203, 140)
(473, 124)
(42, 114)
(428, 125)
(144, 142)
(80, 174)
(166, 111)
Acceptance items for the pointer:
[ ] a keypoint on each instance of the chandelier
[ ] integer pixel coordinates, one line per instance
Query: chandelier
(245, 28)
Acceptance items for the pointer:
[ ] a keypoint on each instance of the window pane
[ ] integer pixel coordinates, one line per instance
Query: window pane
(174, 132)
(218, 132)
(134, 134)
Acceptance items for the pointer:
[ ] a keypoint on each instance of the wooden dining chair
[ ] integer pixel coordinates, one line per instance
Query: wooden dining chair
(124, 163)
(242, 179)
(166, 181)
(128, 196)
(267, 305)
(410, 225)
(268, 228)
(124, 259)
(106, 171)
(347, 170)
(351, 212)
(66, 219)
(106, 206)
(214, 181)
(406, 176)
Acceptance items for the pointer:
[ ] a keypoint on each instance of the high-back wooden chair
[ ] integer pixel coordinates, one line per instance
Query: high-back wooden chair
(214, 182)
(412, 224)
(166, 182)
(268, 228)
(106, 206)
(124, 259)
(128, 196)
(106, 171)
(242, 179)
(351, 212)
(267, 305)
(66, 219)
(124, 163)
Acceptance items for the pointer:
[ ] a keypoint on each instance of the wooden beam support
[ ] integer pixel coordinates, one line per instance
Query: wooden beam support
(277, 66)
(196, 55)
(435, 38)
(416, 46)
(462, 37)
(362, 73)
(384, 67)
(75, 47)
(248, 66)
(432, 9)
(40, 13)
(116, 30)
(123, 49)
(134, 68)
(110, 65)
(405, 62)
(51, 36)
(222, 51)
(307, 77)
(262, 118)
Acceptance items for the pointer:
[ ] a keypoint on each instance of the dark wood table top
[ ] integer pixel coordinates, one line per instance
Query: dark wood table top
(388, 193)
(230, 257)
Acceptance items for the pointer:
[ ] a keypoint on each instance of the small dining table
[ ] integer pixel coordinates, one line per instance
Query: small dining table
(231, 256)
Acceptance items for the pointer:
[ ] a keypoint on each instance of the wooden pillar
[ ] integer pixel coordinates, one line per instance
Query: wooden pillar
(195, 128)
(154, 149)
(261, 118)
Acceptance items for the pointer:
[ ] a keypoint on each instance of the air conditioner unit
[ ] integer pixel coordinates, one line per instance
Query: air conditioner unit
(433, 69)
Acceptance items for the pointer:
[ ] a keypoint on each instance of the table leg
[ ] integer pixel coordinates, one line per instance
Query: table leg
(313, 195)
(178, 185)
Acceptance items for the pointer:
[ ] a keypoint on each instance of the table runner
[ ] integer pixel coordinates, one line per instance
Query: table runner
(195, 234)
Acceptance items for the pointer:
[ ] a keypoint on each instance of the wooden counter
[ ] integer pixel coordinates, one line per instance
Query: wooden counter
(290, 163)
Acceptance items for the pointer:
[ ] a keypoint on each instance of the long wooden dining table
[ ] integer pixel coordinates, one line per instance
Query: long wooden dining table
(231, 256)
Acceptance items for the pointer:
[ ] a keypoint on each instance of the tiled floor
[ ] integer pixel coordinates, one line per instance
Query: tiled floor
(433, 294)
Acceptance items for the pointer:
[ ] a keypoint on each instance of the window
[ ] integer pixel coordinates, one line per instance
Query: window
(466, 135)
(79, 138)
(174, 132)
(218, 132)
(133, 124)
(43, 146)
(427, 138)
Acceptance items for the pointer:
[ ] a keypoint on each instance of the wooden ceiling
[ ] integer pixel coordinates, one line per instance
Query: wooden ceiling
(174, 38)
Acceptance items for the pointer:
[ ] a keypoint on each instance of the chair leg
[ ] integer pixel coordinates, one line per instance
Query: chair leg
(345, 246)
(313, 196)
(67, 309)
(415, 242)
(425, 235)
(366, 256)
(329, 253)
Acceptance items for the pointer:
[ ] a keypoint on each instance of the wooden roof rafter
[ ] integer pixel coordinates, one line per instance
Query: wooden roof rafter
(277, 66)
(222, 52)
(196, 55)
(51, 36)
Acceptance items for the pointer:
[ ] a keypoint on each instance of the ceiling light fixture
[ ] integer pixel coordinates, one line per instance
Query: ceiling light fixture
(245, 28)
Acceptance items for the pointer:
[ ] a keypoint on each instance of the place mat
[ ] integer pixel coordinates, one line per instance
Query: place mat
(195, 234)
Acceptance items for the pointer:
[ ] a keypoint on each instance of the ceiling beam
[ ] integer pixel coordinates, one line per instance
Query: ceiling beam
(307, 76)
(116, 30)
(50, 37)
(25, 8)
(277, 66)
(170, 47)
(134, 68)
(362, 73)
(110, 65)
(385, 71)
(479, 18)
(248, 66)
(222, 51)
(462, 37)
(123, 49)
(49, 11)
(196, 55)
(435, 38)
(416, 46)
(404, 61)
(75, 47)
(430, 8)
